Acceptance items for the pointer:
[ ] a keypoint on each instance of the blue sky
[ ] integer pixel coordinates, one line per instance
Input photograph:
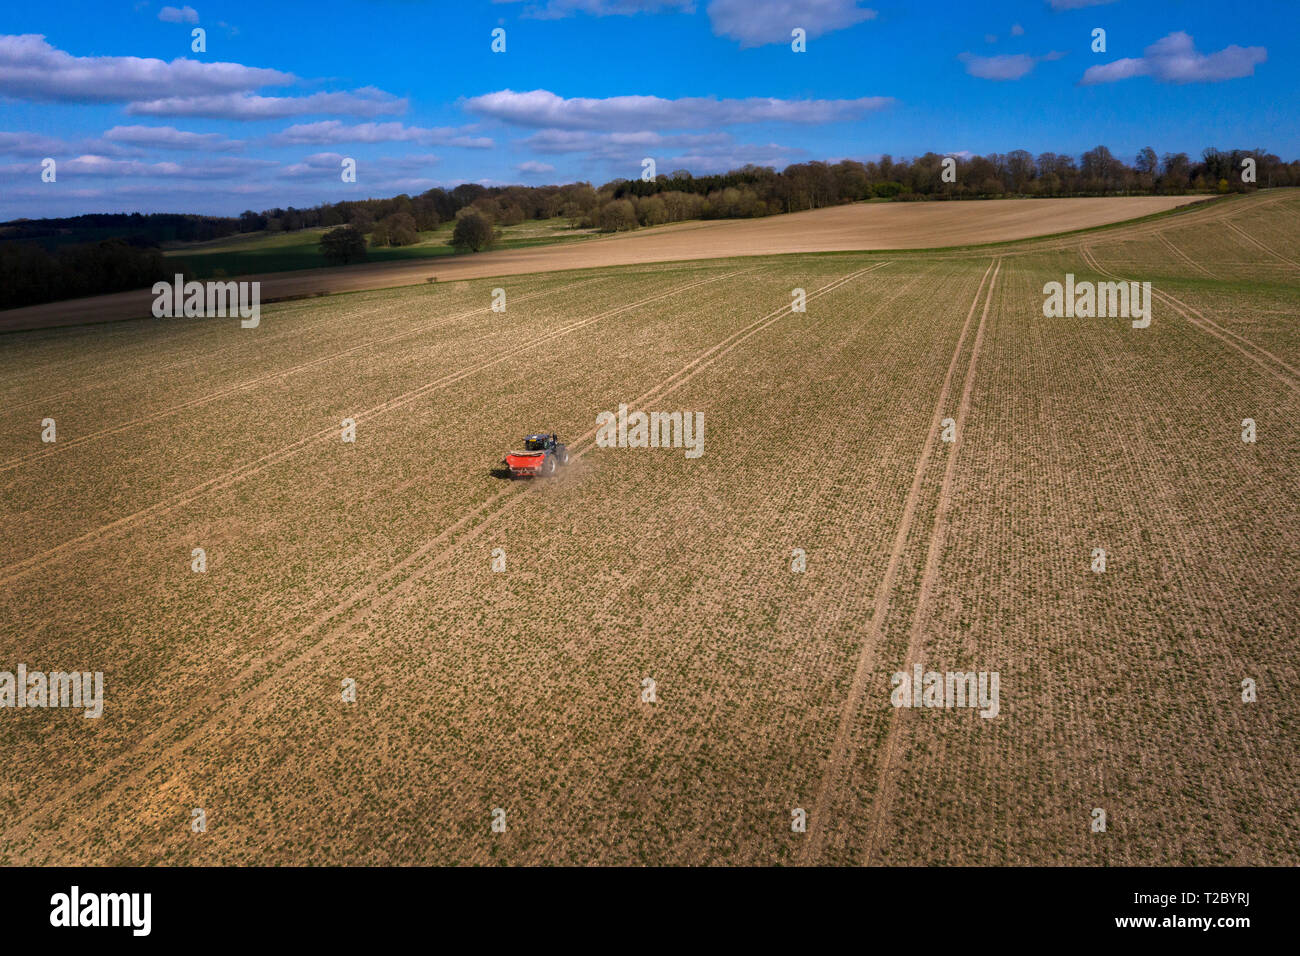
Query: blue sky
(588, 88)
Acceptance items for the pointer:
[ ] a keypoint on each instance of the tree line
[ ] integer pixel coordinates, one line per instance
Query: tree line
(142, 229)
(30, 274)
(764, 191)
(47, 259)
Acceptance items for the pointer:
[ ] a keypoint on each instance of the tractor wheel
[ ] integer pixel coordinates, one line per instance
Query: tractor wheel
(548, 466)
(563, 456)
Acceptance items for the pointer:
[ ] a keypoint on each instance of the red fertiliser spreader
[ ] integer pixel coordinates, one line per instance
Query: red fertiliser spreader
(539, 458)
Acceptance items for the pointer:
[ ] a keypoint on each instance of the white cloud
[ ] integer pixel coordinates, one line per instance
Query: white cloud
(620, 154)
(721, 159)
(38, 144)
(542, 108)
(178, 15)
(169, 137)
(752, 22)
(168, 194)
(556, 9)
(411, 161)
(1175, 59)
(759, 22)
(325, 168)
(404, 184)
(29, 144)
(314, 166)
(30, 68)
(366, 101)
(617, 145)
(534, 168)
(1007, 66)
(95, 165)
(335, 131)
(1017, 30)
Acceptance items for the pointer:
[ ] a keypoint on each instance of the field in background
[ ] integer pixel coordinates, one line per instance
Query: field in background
(521, 690)
(291, 251)
(861, 226)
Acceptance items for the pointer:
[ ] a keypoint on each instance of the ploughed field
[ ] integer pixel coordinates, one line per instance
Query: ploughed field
(371, 564)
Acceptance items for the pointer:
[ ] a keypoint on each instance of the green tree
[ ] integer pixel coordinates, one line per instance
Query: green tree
(473, 233)
(1177, 172)
(362, 219)
(617, 216)
(397, 230)
(652, 211)
(343, 245)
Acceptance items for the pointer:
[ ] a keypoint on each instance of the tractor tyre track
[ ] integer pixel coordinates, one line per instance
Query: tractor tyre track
(485, 514)
(1288, 375)
(248, 469)
(875, 630)
(259, 380)
(933, 555)
(1259, 245)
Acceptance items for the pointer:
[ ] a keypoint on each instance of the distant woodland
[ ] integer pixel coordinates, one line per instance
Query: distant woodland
(47, 259)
